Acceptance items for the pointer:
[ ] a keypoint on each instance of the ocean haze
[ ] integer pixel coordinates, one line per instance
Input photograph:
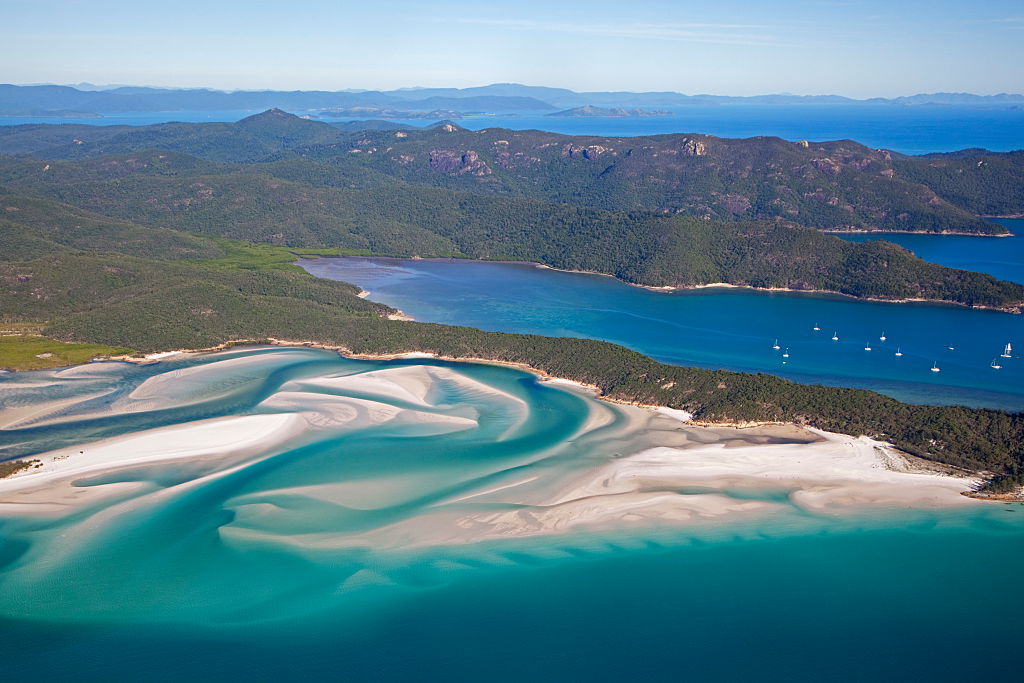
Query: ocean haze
(863, 49)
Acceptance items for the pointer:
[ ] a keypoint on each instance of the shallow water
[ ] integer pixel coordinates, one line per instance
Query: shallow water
(304, 557)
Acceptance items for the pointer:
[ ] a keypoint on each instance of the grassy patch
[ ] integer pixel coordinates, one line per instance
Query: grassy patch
(27, 351)
(248, 256)
(9, 468)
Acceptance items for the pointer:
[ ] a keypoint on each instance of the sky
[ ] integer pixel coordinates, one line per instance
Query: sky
(857, 48)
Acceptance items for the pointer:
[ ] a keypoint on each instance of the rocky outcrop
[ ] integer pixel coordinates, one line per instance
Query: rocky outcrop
(587, 152)
(453, 163)
(694, 148)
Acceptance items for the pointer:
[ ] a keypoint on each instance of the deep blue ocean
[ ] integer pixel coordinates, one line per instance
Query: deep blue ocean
(904, 129)
(736, 329)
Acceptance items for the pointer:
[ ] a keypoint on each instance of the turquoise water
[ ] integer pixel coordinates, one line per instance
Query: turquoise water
(336, 553)
(732, 329)
(908, 130)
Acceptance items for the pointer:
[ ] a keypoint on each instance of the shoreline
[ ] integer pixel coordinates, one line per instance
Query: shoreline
(957, 233)
(658, 468)
(545, 377)
(542, 376)
(1014, 309)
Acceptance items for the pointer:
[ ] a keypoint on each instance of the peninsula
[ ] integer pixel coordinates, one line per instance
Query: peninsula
(161, 249)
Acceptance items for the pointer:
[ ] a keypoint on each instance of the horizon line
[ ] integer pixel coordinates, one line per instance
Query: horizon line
(109, 87)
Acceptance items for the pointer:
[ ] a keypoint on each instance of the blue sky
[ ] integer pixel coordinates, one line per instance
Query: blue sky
(859, 48)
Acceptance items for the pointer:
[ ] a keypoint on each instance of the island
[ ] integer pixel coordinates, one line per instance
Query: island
(590, 110)
(183, 236)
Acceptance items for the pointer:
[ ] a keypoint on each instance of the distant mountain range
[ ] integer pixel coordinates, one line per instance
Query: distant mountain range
(496, 98)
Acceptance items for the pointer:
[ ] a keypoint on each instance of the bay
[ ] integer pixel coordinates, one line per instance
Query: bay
(733, 329)
(1000, 257)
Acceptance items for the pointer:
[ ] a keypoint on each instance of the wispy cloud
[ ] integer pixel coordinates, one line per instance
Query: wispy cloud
(1009, 22)
(729, 34)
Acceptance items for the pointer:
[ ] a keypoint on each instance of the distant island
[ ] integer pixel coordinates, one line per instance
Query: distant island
(589, 110)
(49, 113)
(498, 98)
(384, 113)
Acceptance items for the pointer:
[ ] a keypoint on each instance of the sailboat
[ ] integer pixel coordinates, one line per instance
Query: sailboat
(935, 367)
(994, 365)
(1007, 351)
(867, 347)
(816, 328)
(882, 338)
(835, 336)
(786, 354)
(898, 352)
(776, 345)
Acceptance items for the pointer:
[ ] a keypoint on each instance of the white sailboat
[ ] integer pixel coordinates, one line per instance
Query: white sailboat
(898, 352)
(1007, 351)
(776, 345)
(786, 354)
(816, 328)
(994, 365)
(867, 347)
(935, 367)
(882, 338)
(835, 336)
(951, 347)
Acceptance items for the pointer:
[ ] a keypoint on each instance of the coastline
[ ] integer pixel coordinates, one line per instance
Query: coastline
(634, 465)
(958, 233)
(1014, 309)
(543, 376)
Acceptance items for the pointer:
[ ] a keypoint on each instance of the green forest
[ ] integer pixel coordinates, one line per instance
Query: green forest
(190, 245)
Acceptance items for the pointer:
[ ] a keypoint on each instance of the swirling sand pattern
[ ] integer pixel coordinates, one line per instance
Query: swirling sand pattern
(272, 481)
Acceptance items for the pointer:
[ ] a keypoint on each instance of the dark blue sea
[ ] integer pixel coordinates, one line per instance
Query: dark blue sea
(736, 329)
(904, 129)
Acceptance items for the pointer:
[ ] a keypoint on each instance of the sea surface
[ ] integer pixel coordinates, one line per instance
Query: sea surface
(305, 558)
(299, 558)
(1002, 257)
(736, 329)
(908, 130)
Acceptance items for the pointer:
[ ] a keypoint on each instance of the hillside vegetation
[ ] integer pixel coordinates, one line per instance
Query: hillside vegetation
(231, 290)
(247, 202)
(839, 185)
(155, 250)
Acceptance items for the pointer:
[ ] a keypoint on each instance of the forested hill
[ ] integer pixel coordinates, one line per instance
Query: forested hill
(382, 215)
(840, 185)
(82, 277)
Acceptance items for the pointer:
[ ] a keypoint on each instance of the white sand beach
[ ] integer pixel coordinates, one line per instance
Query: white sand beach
(625, 467)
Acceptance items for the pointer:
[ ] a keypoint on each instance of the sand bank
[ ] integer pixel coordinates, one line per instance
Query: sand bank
(612, 467)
